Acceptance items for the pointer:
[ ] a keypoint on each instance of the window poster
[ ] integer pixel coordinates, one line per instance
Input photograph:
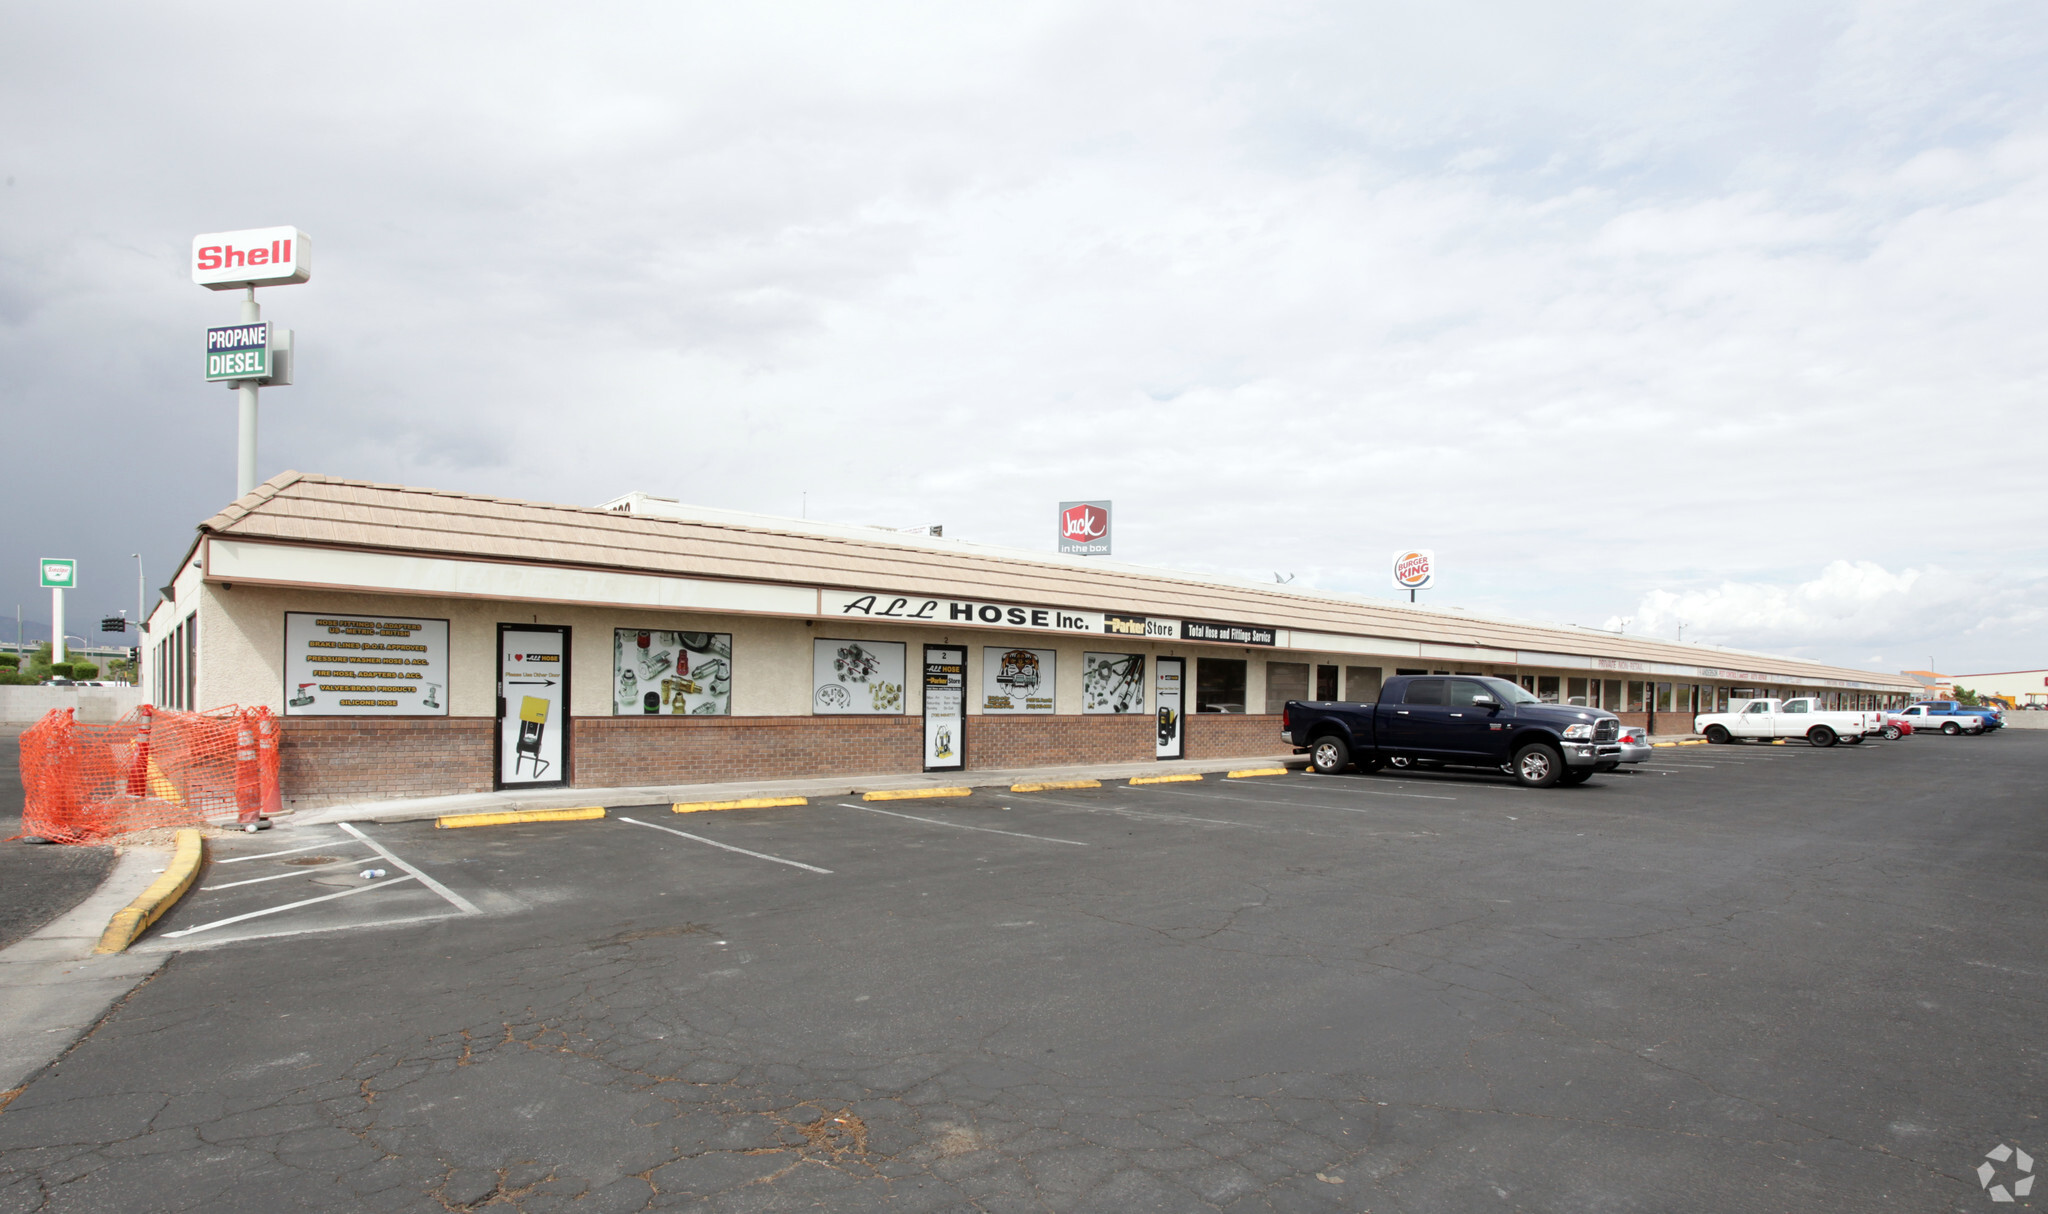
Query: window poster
(364, 666)
(676, 674)
(945, 707)
(856, 678)
(1112, 682)
(1017, 680)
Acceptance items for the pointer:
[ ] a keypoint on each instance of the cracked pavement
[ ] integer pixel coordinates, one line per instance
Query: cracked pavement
(1746, 979)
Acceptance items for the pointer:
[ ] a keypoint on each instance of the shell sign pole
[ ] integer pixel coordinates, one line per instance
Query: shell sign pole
(251, 354)
(1414, 569)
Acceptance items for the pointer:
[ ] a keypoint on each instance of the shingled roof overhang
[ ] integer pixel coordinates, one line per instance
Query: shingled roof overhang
(308, 510)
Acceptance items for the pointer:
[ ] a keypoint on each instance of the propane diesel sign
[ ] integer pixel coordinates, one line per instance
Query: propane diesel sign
(238, 352)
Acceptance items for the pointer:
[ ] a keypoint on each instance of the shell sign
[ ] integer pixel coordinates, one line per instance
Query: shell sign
(1414, 569)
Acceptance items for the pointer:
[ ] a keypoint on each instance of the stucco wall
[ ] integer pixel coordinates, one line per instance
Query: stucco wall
(242, 649)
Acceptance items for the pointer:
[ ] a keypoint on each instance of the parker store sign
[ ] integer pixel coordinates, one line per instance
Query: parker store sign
(1084, 528)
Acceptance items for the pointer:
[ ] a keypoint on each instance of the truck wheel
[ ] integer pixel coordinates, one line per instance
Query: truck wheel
(1951, 728)
(1329, 755)
(1538, 765)
(1718, 735)
(1821, 736)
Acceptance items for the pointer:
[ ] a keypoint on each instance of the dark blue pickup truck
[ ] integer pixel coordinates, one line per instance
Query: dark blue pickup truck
(1457, 721)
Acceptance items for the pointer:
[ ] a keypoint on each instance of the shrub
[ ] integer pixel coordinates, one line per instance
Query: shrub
(10, 661)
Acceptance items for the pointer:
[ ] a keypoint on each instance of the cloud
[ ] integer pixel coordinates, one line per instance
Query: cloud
(1851, 604)
(1593, 299)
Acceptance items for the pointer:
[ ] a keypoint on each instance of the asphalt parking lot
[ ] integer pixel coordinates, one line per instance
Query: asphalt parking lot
(1746, 978)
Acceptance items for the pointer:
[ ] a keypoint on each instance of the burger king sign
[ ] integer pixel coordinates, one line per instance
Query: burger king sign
(1414, 569)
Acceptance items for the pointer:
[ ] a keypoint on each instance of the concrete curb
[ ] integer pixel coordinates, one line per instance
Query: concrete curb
(134, 919)
(722, 795)
(582, 813)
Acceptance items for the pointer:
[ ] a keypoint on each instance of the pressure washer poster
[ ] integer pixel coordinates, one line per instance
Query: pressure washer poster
(364, 666)
(671, 674)
(1112, 682)
(856, 678)
(1017, 680)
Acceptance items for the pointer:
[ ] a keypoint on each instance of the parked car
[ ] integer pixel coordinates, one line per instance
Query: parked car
(1801, 718)
(1896, 726)
(1463, 721)
(1635, 745)
(1952, 718)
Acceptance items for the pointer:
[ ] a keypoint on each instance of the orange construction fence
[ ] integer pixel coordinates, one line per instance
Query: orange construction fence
(153, 768)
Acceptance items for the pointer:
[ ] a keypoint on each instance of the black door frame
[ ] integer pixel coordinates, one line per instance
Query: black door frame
(568, 711)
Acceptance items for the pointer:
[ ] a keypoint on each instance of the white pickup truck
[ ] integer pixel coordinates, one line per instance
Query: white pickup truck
(1768, 719)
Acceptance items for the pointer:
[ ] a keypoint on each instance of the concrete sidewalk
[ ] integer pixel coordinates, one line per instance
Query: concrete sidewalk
(53, 989)
(832, 786)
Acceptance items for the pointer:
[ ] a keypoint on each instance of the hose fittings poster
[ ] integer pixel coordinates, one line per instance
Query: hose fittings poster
(1112, 682)
(364, 666)
(1017, 680)
(856, 678)
(656, 673)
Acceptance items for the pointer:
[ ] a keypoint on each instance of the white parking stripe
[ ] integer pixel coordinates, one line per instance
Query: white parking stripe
(987, 830)
(273, 910)
(289, 851)
(454, 899)
(301, 872)
(1372, 792)
(1041, 799)
(758, 855)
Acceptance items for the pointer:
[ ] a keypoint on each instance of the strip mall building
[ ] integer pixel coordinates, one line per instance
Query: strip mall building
(417, 643)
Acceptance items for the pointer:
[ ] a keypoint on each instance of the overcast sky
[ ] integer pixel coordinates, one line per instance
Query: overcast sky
(1721, 313)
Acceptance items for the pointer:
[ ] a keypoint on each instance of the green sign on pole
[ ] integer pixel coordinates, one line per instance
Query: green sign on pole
(60, 573)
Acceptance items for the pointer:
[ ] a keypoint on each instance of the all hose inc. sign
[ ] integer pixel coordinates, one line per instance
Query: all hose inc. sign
(1414, 569)
(1084, 528)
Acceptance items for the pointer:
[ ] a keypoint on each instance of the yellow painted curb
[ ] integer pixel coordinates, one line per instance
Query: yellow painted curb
(698, 807)
(1777, 741)
(1182, 778)
(912, 794)
(1663, 743)
(513, 816)
(1695, 742)
(1255, 771)
(134, 919)
(1047, 785)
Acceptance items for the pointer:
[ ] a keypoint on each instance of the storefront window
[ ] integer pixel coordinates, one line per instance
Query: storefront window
(1285, 681)
(661, 673)
(1663, 697)
(1576, 693)
(1219, 684)
(856, 678)
(1636, 693)
(1546, 688)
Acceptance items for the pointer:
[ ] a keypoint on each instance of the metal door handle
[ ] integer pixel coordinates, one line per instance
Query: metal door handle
(1457, 714)
(1401, 711)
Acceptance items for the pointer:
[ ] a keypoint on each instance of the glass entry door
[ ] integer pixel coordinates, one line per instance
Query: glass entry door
(533, 706)
(1169, 679)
